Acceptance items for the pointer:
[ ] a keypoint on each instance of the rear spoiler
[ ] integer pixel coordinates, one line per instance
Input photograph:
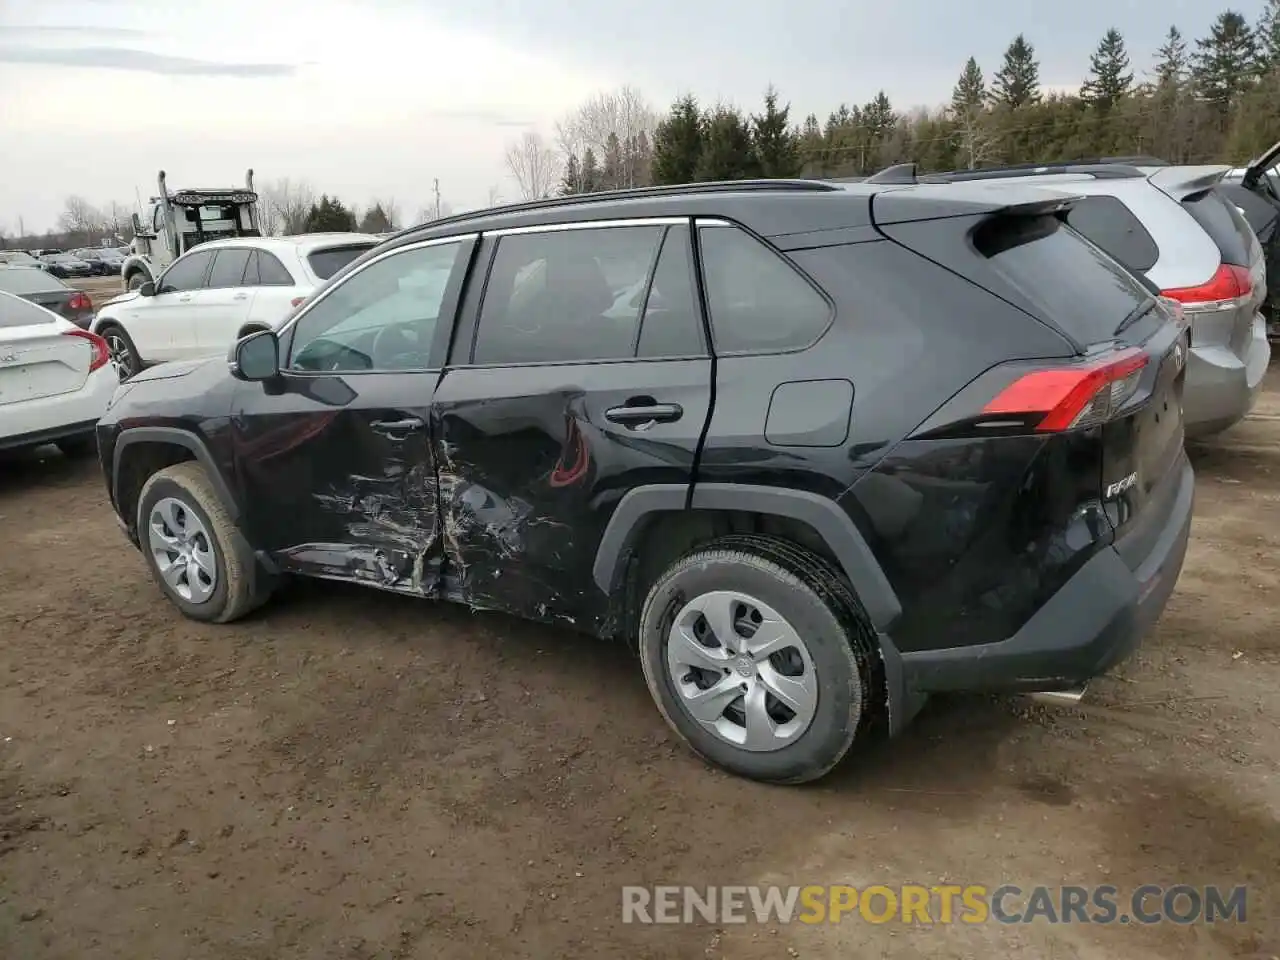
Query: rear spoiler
(897, 204)
(1182, 182)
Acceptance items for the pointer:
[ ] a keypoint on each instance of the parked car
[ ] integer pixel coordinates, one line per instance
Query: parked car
(1173, 226)
(937, 450)
(55, 379)
(18, 258)
(66, 266)
(103, 261)
(39, 286)
(200, 303)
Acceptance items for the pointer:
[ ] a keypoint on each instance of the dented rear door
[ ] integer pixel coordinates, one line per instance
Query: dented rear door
(583, 375)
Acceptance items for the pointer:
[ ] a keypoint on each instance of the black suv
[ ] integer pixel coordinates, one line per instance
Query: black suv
(815, 450)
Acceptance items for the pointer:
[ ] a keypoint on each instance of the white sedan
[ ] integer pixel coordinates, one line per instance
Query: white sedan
(55, 379)
(198, 305)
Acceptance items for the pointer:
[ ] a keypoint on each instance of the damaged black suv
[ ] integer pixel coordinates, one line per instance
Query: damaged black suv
(815, 450)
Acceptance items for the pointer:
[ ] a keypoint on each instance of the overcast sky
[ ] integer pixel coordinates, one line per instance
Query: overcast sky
(377, 98)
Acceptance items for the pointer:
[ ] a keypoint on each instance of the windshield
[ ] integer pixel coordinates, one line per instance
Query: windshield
(23, 280)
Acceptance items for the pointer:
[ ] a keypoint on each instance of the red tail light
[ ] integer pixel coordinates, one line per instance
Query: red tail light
(100, 355)
(297, 302)
(80, 301)
(1225, 290)
(1079, 395)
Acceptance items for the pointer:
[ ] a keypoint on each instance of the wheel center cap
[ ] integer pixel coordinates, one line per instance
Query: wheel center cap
(745, 666)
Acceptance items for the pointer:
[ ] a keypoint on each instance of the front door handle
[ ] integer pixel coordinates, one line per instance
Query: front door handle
(637, 415)
(397, 427)
(241, 296)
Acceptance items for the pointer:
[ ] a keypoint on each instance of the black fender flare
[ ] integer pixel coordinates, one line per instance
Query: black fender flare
(824, 515)
(180, 438)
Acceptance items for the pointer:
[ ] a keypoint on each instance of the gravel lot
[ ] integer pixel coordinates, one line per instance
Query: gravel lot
(350, 774)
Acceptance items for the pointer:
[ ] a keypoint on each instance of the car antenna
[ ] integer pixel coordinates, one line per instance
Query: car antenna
(898, 173)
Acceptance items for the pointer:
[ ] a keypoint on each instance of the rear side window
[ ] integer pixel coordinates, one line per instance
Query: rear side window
(1112, 226)
(566, 296)
(22, 280)
(1072, 282)
(672, 322)
(757, 301)
(325, 263)
(228, 268)
(1220, 219)
(271, 272)
(16, 312)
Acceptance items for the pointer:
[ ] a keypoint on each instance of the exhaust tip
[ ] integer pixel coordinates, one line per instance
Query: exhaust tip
(1060, 698)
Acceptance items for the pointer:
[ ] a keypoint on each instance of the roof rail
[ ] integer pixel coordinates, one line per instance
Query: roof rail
(1100, 171)
(637, 193)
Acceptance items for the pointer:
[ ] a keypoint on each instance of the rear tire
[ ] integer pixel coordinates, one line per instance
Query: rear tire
(135, 280)
(826, 664)
(192, 548)
(123, 353)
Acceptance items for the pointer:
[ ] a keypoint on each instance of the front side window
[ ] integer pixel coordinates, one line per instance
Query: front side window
(382, 317)
(756, 299)
(566, 296)
(186, 273)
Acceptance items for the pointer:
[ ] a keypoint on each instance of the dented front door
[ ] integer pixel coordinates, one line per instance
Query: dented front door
(339, 477)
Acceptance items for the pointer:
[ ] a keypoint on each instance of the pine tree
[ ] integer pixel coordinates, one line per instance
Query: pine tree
(571, 182)
(970, 93)
(612, 176)
(375, 220)
(775, 144)
(1017, 82)
(726, 148)
(878, 117)
(677, 143)
(1110, 78)
(1225, 62)
(1171, 60)
(1268, 37)
(329, 215)
(591, 178)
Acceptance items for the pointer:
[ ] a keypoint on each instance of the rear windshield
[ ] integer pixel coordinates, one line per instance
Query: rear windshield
(22, 280)
(15, 312)
(1221, 221)
(328, 261)
(1071, 282)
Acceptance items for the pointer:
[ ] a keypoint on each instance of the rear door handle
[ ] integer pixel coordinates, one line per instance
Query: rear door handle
(635, 416)
(241, 296)
(397, 427)
(184, 299)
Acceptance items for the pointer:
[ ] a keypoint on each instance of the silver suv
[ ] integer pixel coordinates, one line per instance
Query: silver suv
(1173, 227)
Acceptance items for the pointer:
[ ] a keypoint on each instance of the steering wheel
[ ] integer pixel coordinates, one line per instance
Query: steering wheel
(396, 343)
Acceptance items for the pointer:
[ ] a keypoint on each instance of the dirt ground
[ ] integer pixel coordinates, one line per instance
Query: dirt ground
(354, 775)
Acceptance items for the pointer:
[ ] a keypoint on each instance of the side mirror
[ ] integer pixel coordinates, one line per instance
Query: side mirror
(137, 224)
(256, 357)
(148, 289)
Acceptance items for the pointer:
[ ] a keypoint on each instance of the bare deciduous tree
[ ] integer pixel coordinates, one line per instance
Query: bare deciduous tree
(533, 165)
(80, 217)
(284, 205)
(623, 114)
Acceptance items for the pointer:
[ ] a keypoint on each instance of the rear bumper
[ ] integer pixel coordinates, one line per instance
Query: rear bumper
(1096, 620)
(1221, 387)
(27, 423)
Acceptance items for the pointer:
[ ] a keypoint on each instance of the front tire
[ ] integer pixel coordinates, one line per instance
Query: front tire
(760, 657)
(121, 349)
(192, 548)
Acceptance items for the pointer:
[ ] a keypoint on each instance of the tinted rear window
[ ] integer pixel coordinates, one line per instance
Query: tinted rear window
(325, 263)
(15, 312)
(21, 280)
(1073, 283)
(1223, 223)
(1112, 226)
